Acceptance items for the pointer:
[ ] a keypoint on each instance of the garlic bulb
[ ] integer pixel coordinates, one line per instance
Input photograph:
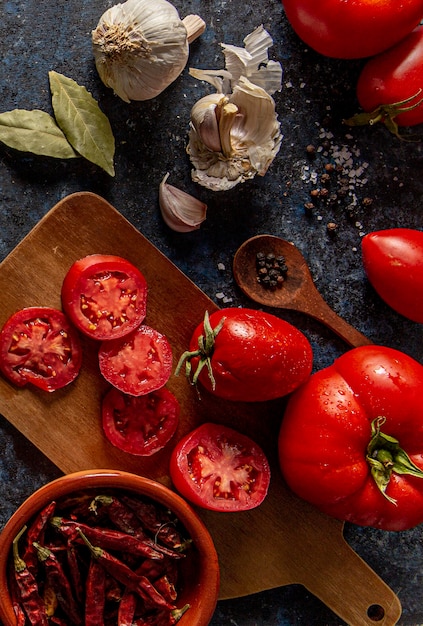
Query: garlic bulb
(235, 133)
(141, 46)
(181, 211)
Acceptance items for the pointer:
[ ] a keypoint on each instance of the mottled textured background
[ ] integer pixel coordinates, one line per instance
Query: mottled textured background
(39, 35)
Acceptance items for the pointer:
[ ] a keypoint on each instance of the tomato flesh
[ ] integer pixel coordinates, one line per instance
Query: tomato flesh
(220, 469)
(138, 363)
(39, 346)
(140, 425)
(105, 296)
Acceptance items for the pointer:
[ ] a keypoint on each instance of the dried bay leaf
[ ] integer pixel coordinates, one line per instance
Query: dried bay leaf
(85, 126)
(34, 131)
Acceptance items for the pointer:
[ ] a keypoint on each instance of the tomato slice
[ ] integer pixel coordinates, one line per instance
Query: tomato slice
(105, 296)
(39, 346)
(138, 363)
(220, 469)
(140, 425)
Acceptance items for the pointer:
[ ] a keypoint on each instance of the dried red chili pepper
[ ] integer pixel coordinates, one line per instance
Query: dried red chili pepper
(106, 538)
(126, 520)
(50, 600)
(161, 618)
(138, 583)
(36, 533)
(58, 580)
(156, 521)
(17, 607)
(95, 599)
(127, 607)
(166, 588)
(74, 571)
(30, 598)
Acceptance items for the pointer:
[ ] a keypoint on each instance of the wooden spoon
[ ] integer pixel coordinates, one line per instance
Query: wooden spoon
(298, 292)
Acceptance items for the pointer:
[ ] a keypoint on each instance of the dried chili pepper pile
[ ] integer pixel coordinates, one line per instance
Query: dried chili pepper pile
(98, 560)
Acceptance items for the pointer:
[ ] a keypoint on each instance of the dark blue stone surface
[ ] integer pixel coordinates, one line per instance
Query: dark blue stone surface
(41, 35)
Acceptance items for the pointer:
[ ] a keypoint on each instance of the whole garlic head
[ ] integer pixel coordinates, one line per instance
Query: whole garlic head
(235, 133)
(141, 46)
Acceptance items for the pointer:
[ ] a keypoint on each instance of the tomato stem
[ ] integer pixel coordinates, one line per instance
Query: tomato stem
(384, 455)
(386, 113)
(203, 353)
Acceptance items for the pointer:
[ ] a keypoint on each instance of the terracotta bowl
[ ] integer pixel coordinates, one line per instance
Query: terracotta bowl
(199, 571)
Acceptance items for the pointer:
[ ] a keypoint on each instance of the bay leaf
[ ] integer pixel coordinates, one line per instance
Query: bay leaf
(34, 131)
(85, 126)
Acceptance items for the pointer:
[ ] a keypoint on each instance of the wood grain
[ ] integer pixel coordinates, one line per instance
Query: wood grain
(285, 540)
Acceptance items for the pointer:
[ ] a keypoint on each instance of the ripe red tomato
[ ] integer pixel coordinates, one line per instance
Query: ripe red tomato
(105, 296)
(352, 29)
(140, 425)
(393, 261)
(218, 468)
(351, 439)
(247, 355)
(138, 363)
(39, 346)
(391, 82)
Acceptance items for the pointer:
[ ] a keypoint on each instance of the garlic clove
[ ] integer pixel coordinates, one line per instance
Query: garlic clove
(180, 211)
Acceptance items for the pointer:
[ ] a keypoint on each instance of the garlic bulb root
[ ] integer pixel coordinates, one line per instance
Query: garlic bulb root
(141, 46)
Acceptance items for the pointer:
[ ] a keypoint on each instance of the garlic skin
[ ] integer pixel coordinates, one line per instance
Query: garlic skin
(235, 133)
(141, 46)
(180, 211)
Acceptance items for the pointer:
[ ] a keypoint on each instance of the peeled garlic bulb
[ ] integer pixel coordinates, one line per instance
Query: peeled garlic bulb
(235, 133)
(181, 211)
(141, 46)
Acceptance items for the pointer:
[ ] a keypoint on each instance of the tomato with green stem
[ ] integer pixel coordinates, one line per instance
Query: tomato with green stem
(351, 439)
(390, 86)
(219, 468)
(246, 355)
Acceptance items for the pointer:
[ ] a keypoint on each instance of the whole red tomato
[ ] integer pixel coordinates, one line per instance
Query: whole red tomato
(220, 469)
(352, 29)
(393, 261)
(351, 439)
(247, 355)
(390, 86)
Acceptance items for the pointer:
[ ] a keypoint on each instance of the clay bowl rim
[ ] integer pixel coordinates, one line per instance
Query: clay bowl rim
(203, 593)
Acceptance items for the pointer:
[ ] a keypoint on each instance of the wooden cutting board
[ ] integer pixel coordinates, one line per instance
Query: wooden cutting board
(282, 542)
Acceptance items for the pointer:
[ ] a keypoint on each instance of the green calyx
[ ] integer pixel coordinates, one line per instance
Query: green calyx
(386, 114)
(203, 353)
(384, 455)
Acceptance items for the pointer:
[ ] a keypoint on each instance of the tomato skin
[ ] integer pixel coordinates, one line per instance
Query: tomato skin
(326, 429)
(256, 356)
(140, 425)
(138, 363)
(393, 262)
(214, 456)
(393, 76)
(104, 296)
(48, 351)
(352, 29)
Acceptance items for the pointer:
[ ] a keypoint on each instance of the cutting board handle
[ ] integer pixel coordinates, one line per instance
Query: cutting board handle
(349, 587)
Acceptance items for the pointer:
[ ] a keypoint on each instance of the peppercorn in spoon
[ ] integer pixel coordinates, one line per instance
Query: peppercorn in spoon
(273, 272)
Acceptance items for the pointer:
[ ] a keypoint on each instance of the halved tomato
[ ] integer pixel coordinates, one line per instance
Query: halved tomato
(140, 425)
(39, 346)
(105, 296)
(138, 363)
(218, 468)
